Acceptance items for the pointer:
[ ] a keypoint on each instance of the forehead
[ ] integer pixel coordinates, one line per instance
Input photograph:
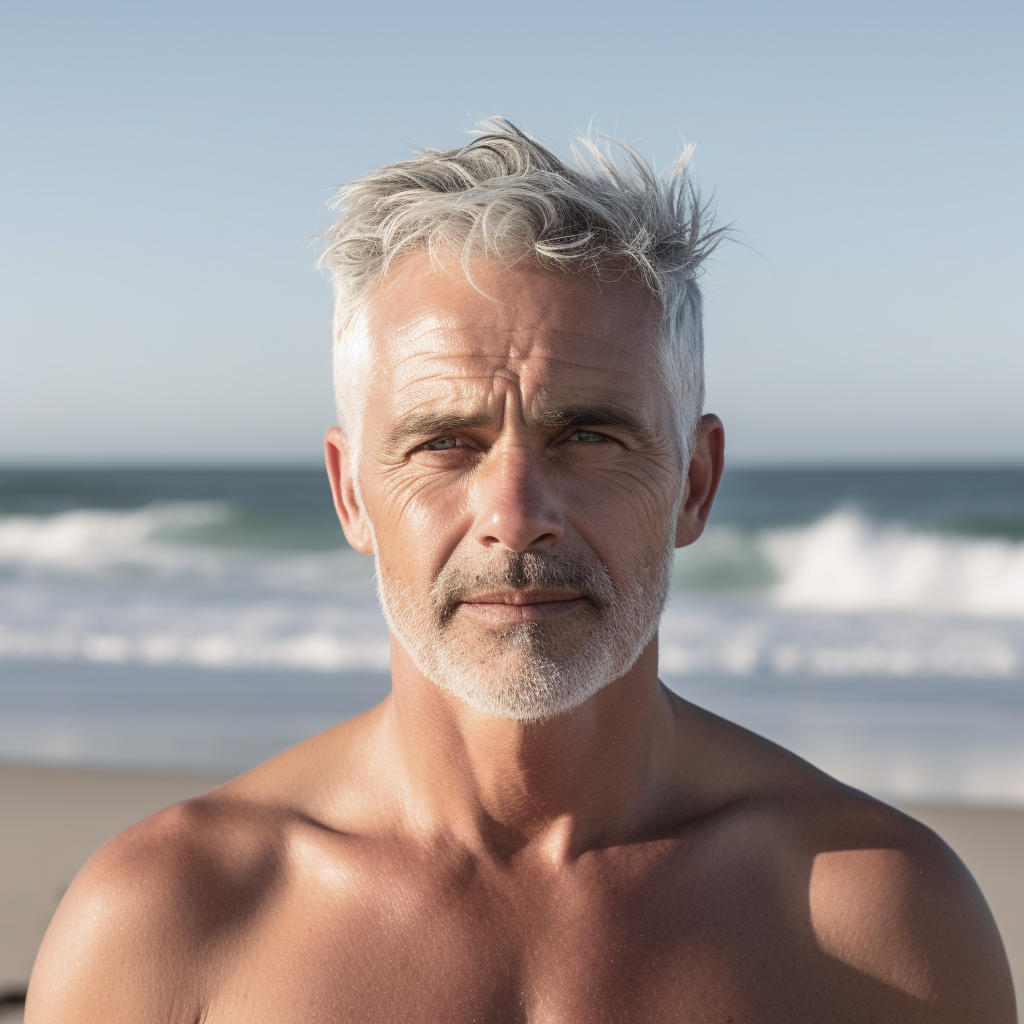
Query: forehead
(438, 338)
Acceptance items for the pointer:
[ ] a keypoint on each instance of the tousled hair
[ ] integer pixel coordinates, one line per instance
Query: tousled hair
(504, 197)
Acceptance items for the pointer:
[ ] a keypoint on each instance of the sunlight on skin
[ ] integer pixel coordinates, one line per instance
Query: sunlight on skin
(512, 382)
(505, 361)
(860, 917)
(513, 414)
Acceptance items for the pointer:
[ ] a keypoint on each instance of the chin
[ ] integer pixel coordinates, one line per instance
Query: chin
(529, 671)
(518, 677)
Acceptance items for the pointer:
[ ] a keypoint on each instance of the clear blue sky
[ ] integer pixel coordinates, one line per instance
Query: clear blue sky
(163, 166)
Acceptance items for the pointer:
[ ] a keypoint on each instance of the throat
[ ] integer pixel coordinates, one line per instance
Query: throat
(558, 785)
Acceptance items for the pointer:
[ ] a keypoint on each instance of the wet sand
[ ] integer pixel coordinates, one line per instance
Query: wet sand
(54, 818)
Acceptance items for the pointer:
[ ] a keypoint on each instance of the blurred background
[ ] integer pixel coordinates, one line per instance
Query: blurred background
(173, 587)
(174, 591)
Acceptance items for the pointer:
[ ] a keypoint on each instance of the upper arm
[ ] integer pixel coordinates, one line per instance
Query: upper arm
(908, 914)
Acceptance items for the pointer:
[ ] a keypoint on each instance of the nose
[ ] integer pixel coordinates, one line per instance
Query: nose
(517, 507)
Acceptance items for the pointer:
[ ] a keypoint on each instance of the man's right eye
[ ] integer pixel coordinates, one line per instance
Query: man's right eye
(440, 444)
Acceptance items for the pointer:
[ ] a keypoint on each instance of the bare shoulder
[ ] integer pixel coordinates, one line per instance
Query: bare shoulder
(158, 913)
(885, 895)
(889, 898)
(141, 928)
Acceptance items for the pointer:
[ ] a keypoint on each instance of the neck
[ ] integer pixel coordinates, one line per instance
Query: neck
(564, 785)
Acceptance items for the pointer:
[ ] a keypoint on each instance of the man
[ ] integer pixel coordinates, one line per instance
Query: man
(531, 827)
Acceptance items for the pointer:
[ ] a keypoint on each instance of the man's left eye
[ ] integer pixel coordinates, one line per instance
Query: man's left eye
(588, 436)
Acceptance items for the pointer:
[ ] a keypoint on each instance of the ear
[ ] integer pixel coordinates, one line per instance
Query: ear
(705, 473)
(340, 472)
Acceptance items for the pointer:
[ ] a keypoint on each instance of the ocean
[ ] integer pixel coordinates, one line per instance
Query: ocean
(872, 620)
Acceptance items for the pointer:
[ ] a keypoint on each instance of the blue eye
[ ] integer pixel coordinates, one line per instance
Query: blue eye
(441, 444)
(588, 436)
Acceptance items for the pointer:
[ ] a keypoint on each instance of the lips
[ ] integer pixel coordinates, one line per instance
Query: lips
(512, 606)
(523, 597)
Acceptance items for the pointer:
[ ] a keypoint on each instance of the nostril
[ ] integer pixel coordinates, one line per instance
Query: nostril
(545, 539)
(507, 536)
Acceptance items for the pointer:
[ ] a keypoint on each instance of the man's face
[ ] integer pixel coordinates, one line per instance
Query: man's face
(520, 477)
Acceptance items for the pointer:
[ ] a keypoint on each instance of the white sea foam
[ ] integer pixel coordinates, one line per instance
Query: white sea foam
(233, 647)
(134, 587)
(702, 638)
(846, 563)
(89, 540)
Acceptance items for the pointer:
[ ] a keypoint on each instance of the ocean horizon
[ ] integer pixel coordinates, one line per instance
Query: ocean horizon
(870, 619)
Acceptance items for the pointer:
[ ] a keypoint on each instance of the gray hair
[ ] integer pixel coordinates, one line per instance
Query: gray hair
(504, 197)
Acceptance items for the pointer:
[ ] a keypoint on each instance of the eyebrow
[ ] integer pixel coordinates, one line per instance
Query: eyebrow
(439, 424)
(595, 416)
(434, 425)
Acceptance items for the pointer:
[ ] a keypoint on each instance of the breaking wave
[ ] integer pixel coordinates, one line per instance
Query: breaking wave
(846, 563)
(90, 540)
(153, 586)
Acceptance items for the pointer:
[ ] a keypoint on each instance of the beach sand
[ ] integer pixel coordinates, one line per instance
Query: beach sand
(51, 821)
(54, 818)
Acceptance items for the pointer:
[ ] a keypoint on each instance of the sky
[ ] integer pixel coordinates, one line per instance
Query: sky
(164, 168)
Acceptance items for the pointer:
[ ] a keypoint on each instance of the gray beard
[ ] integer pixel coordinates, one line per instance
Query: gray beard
(529, 671)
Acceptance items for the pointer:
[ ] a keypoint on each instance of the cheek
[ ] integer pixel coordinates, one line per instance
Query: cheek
(418, 524)
(626, 505)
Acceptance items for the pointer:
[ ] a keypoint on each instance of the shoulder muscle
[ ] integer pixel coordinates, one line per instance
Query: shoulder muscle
(898, 906)
(140, 932)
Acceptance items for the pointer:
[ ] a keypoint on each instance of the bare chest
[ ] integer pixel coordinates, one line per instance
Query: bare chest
(663, 945)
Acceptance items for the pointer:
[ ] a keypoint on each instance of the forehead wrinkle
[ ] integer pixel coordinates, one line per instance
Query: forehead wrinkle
(604, 389)
(423, 327)
(426, 331)
(556, 373)
(443, 385)
(530, 371)
(468, 361)
(521, 340)
(543, 402)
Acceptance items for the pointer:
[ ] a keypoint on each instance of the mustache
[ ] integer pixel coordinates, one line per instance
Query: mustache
(523, 570)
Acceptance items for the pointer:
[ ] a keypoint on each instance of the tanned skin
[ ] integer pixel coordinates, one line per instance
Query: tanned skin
(634, 860)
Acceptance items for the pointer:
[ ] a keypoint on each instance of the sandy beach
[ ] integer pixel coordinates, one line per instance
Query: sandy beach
(53, 819)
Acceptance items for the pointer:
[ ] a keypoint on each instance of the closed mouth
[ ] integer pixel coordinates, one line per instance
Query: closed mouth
(512, 606)
(524, 597)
